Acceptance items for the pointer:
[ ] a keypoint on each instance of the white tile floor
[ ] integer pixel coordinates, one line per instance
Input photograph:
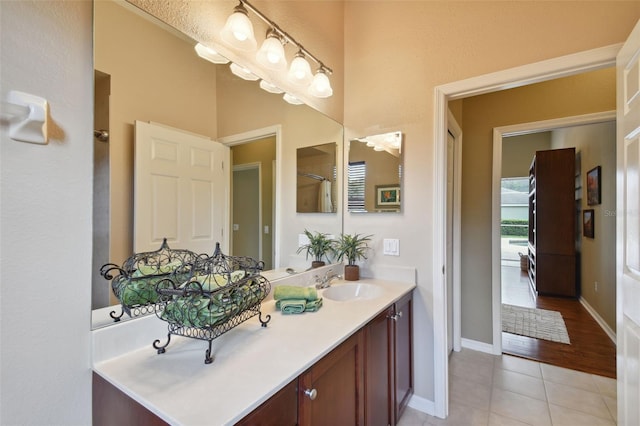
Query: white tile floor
(504, 390)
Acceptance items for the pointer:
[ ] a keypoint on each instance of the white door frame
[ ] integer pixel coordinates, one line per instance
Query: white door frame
(515, 77)
(250, 136)
(498, 134)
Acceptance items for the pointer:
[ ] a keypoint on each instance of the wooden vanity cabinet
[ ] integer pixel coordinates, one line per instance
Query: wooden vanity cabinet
(378, 372)
(329, 392)
(402, 355)
(388, 363)
(279, 410)
(366, 380)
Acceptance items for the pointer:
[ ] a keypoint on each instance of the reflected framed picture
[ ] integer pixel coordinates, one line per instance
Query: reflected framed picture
(593, 186)
(387, 196)
(588, 223)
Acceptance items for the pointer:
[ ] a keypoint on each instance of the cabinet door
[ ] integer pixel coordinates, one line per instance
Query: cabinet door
(403, 355)
(330, 392)
(112, 407)
(279, 410)
(377, 370)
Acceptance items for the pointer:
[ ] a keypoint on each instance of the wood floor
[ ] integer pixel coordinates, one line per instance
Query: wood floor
(591, 350)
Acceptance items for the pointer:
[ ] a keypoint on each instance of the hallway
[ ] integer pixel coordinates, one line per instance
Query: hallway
(590, 351)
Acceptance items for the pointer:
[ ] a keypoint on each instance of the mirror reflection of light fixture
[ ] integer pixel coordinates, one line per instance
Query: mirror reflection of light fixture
(321, 86)
(243, 72)
(210, 54)
(238, 31)
(271, 53)
(292, 99)
(383, 142)
(271, 88)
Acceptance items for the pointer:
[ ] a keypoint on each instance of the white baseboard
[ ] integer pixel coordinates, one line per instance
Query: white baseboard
(479, 346)
(599, 320)
(422, 404)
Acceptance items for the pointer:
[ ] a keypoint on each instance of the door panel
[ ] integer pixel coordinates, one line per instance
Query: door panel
(628, 229)
(179, 189)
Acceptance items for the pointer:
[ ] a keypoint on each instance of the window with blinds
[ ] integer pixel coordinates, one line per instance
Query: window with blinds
(357, 172)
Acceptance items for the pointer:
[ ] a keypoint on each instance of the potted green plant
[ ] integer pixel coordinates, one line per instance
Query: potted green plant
(318, 247)
(352, 248)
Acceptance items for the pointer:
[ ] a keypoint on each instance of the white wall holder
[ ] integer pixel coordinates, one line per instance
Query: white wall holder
(29, 115)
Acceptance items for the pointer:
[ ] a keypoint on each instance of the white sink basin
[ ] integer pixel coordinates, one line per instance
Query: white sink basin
(355, 291)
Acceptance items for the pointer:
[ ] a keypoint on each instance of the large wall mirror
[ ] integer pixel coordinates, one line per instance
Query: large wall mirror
(316, 179)
(375, 174)
(148, 71)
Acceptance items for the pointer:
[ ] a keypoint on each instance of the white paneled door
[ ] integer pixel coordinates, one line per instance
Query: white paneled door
(628, 230)
(180, 189)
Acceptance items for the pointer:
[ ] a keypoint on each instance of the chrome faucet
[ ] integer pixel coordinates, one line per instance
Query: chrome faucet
(325, 281)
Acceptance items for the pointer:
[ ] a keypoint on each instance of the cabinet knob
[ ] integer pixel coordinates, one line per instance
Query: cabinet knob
(311, 393)
(396, 316)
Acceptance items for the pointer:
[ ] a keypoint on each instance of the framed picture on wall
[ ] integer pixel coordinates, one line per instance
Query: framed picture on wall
(593, 186)
(588, 223)
(387, 196)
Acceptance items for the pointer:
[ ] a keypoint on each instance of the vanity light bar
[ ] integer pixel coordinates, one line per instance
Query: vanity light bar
(286, 36)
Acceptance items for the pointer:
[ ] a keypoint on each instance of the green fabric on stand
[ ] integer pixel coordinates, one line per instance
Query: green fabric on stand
(292, 306)
(285, 292)
(313, 306)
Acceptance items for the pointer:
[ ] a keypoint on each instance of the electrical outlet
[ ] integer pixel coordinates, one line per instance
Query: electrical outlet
(596, 286)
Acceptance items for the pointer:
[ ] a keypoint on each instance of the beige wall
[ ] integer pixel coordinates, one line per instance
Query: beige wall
(45, 217)
(596, 146)
(155, 76)
(581, 94)
(518, 152)
(389, 85)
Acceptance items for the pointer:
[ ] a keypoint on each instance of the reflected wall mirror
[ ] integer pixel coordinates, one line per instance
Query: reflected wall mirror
(147, 70)
(374, 182)
(316, 179)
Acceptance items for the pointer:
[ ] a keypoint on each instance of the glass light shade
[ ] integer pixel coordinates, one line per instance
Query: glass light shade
(271, 53)
(378, 148)
(300, 71)
(210, 54)
(321, 86)
(243, 73)
(292, 99)
(238, 31)
(271, 88)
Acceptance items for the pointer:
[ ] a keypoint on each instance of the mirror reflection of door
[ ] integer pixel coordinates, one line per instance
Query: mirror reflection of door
(246, 211)
(253, 187)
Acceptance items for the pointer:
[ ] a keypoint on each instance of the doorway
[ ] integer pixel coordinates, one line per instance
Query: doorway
(590, 318)
(524, 75)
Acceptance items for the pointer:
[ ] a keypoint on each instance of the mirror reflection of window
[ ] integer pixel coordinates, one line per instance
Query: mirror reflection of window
(316, 179)
(357, 183)
(375, 173)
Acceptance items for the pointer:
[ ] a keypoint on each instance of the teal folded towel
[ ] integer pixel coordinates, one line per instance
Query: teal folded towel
(292, 306)
(285, 292)
(309, 306)
(313, 306)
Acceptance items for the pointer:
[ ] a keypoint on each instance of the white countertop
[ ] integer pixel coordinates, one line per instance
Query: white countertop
(251, 363)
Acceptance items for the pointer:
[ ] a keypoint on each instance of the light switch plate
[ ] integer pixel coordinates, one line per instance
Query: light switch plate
(391, 247)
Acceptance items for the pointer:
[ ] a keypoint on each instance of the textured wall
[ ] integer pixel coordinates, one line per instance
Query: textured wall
(45, 213)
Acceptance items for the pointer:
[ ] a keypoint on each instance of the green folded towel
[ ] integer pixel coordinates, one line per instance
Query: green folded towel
(313, 306)
(309, 306)
(292, 306)
(286, 292)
